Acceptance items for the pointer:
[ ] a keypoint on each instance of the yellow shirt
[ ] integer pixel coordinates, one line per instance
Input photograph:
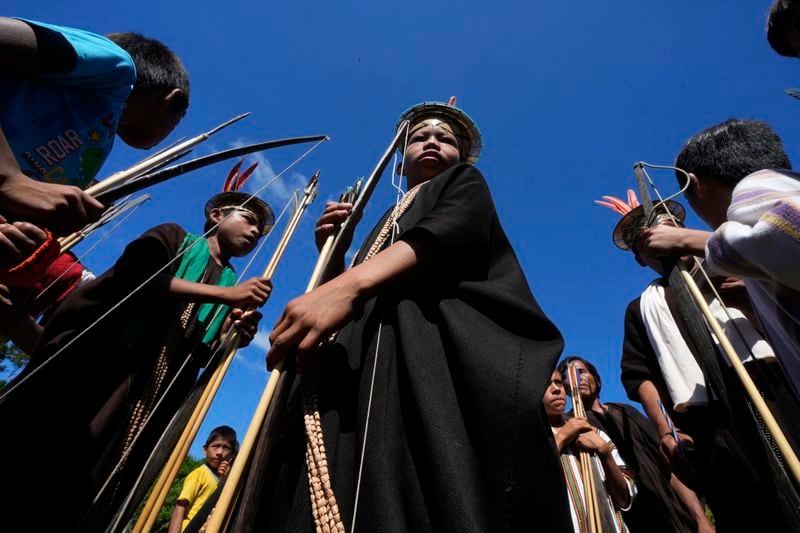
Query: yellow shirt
(197, 487)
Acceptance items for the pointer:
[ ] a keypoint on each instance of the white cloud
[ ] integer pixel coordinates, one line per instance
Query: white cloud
(261, 340)
(280, 190)
(253, 360)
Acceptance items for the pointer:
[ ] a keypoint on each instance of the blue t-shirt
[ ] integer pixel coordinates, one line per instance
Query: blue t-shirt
(61, 126)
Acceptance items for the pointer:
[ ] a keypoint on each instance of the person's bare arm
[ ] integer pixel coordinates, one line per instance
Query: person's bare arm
(25, 51)
(29, 50)
(692, 504)
(309, 319)
(666, 240)
(253, 292)
(178, 514)
(649, 397)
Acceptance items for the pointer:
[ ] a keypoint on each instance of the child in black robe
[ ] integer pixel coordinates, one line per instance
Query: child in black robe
(461, 352)
(88, 389)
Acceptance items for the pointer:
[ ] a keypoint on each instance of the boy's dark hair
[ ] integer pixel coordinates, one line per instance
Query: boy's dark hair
(226, 433)
(562, 367)
(157, 67)
(732, 150)
(782, 22)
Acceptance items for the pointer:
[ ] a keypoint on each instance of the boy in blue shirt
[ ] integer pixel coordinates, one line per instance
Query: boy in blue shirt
(65, 94)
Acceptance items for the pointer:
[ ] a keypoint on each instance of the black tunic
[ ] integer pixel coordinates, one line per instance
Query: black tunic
(732, 468)
(657, 507)
(457, 440)
(72, 414)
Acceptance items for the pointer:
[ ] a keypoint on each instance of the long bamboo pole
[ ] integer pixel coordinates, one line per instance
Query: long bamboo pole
(161, 489)
(788, 453)
(230, 491)
(585, 459)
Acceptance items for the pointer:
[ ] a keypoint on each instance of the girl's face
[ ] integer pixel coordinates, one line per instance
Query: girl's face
(555, 397)
(431, 150)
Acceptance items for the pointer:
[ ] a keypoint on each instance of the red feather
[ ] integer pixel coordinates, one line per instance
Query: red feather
(246, 174)
(232, 175)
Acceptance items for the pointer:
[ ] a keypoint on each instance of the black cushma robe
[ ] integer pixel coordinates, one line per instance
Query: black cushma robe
(457, 440)
(657, 507)
(732, 470)
(70, 418)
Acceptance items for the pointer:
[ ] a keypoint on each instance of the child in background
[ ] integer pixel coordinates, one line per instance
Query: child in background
(65, 95)
(109, 394)
(220, 449)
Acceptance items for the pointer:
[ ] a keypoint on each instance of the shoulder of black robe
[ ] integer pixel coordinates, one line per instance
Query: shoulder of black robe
(83, 306)
(58, 404)
(459, 441)
(657, 507)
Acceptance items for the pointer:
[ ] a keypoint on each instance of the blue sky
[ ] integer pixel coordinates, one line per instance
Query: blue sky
(568, 96)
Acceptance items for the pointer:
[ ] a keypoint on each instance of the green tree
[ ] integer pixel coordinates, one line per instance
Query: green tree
(162, 521)
(11, 360)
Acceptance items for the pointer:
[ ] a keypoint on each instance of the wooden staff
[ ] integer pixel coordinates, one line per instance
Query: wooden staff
(587, 473)
(789, 455)
(265, 413)
(161, 489)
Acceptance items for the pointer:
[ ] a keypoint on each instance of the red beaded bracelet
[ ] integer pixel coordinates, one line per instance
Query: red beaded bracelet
(33, 268)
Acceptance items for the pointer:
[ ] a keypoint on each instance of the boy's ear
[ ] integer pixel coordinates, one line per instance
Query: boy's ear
(216, 215)
(696, 186)
(399, 168)
(173, 95)
(167, 103)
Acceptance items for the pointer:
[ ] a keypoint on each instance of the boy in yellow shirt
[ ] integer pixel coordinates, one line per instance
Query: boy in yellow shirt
(220, 448)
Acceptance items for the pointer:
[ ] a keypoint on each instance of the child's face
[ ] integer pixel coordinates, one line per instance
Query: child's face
(555, 397)
(147, 119)
(237, 234)
(217, 451)
(431, 150)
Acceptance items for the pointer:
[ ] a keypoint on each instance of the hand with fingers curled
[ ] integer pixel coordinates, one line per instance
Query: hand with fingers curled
(571, 429)
(62, 209)
(224, 469)
(245, 321)
(591, 441)
(18, 240)
(678, 454)
(252, 293)
(26, 252)
(310, 319)
(333, 216)
(666, 240)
